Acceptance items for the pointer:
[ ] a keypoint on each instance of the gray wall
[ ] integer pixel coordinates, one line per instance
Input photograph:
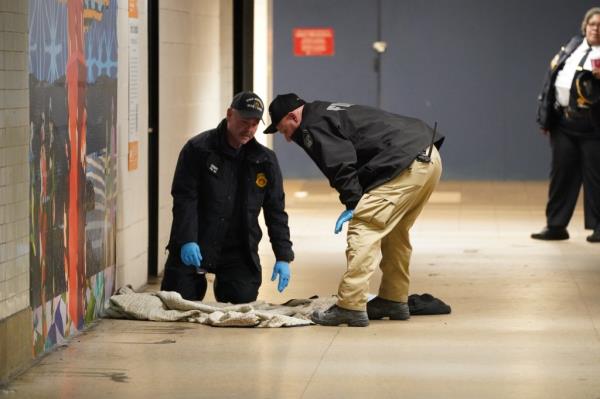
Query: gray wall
(475, 66)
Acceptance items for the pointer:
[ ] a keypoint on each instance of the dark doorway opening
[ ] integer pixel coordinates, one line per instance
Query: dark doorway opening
(153, 137)
(243, 37)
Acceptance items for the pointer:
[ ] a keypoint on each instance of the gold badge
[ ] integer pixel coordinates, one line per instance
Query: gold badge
(554, 62)
(261, 180)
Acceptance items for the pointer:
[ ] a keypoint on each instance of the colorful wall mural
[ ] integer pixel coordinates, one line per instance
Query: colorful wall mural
(73, 163)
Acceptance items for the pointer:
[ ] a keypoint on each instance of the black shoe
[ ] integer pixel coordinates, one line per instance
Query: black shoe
(551, 234)
(378, 308)
(334, 316)
(594, 237)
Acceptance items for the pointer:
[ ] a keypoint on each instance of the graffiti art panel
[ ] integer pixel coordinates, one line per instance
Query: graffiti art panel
(73, 153)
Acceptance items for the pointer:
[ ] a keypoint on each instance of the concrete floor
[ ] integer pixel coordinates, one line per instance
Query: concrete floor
(525, 320)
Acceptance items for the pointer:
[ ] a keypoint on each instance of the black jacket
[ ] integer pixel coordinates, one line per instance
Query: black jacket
(359, 147)
(547, 117)
(201, 203)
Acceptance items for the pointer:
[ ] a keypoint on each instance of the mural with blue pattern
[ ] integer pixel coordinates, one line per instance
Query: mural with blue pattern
(73, 163)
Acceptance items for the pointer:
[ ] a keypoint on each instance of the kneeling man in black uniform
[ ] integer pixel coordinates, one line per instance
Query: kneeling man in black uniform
(223, 179)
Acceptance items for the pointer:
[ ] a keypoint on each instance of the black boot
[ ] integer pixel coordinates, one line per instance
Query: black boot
(334, 316)
(378, 308)
(594, 237)
(551, 234)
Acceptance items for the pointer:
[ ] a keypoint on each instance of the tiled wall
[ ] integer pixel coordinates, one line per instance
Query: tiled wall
(15, 313)
(196, 83)
(14, 150)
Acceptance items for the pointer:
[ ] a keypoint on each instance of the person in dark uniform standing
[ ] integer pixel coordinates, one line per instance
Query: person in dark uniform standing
(223, 179)
(570, 114)
(385, 167)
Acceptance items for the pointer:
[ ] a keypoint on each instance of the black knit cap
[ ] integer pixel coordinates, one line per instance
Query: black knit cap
(248, 104)
(280, 107)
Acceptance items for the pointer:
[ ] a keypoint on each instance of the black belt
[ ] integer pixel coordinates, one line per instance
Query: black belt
(570, 113)
(576, 121)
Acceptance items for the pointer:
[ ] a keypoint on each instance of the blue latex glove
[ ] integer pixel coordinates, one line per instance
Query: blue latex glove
(283, 269)
(344, 217)
(190, 254)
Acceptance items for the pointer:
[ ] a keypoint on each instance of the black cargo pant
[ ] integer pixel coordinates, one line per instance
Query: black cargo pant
(237, 280)
(575, 160)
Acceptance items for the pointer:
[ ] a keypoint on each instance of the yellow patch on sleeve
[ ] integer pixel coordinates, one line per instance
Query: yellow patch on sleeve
(261, 180)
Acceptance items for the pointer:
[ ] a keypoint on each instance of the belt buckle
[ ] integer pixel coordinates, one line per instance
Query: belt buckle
(567, 113)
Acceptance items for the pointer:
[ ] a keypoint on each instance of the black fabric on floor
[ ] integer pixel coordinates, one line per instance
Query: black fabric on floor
(426, 304)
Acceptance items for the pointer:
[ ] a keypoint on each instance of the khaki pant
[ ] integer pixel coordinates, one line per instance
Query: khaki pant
(381, 222)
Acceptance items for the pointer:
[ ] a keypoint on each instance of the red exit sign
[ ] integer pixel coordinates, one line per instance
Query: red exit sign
(313, 42)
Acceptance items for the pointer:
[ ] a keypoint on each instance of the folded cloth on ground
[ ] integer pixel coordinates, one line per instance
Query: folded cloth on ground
(426, 304)
(170, 306)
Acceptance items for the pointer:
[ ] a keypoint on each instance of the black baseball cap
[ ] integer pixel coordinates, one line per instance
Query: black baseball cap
(280, 107)
(248, 104)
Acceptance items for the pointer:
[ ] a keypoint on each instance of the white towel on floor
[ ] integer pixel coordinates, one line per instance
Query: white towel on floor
(170, 306)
